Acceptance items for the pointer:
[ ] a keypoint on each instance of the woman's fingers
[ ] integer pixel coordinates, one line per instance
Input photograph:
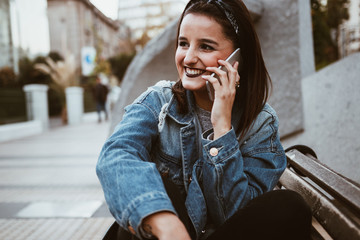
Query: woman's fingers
(232, 73)
(230, 76)
(224, 82)
(213, 80)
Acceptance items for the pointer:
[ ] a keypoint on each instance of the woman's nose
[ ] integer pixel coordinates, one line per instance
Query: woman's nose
(191, 57)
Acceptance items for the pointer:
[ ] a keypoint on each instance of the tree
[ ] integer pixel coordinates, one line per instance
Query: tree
(28, 74)
(325, 20)
(336, 13)
(7, 77)
(102, 66)
(120, 63)
(55, 56)
(324, 47)
(62, 72)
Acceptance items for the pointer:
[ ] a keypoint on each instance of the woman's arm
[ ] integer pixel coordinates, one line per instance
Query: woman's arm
(234, 175)
(132, 185)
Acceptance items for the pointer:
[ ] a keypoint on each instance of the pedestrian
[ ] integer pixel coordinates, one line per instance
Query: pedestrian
(101, 92)
(183, 166)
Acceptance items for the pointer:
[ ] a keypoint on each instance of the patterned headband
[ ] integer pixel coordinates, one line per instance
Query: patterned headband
(227, 10)
(224, 8)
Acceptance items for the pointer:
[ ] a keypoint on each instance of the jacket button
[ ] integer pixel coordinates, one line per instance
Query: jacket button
(214, 152)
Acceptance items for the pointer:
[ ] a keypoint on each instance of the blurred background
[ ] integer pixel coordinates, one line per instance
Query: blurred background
(103, 37)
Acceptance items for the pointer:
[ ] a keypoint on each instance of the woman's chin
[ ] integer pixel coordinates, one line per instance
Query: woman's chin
(193, 85)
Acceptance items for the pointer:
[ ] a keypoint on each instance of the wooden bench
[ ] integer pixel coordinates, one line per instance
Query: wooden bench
(334, 199)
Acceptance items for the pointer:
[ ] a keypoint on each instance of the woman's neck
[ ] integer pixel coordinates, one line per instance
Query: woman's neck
(202, 100)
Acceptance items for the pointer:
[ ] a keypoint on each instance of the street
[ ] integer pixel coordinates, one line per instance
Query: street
(48, 184)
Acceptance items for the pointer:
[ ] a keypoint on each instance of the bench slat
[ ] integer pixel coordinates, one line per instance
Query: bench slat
(334, 221)
(318, 232)
(327, 179)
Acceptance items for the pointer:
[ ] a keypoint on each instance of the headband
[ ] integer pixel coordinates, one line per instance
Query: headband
(224, 8)
(227, 10)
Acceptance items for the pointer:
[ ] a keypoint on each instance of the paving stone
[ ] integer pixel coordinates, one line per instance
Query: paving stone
(45, 229)
(102, 211)
(48, 177)
(9, 210)
(74, 209)
(93, 229)
(65, 193)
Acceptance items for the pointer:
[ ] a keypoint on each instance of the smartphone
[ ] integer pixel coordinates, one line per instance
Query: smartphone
(235, 56)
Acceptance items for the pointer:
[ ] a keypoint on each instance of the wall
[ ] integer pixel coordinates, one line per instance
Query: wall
(332, 116)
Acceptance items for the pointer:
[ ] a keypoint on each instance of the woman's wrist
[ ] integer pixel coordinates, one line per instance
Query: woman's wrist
(155, 224)
(163, 225)
(221, 130)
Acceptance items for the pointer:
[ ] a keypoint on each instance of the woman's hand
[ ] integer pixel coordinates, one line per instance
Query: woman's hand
(224, 96)
(165, 226)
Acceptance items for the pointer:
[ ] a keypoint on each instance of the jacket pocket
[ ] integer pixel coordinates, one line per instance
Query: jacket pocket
(169, 167)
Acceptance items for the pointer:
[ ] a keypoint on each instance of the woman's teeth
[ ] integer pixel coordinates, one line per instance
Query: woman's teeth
(194, 72)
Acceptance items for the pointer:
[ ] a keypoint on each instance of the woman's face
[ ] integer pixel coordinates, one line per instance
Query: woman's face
(201, 44)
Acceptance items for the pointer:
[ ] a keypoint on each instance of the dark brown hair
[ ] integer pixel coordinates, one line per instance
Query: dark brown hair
(255, 82)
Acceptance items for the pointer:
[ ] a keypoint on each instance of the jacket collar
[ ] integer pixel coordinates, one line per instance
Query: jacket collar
(187, 118)
(172, 111)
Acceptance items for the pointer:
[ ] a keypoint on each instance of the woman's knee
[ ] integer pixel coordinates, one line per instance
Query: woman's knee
(279, 214)
(283, 204)
(291, 213)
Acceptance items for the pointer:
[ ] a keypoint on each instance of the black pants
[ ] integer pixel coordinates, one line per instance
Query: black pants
(279, 214)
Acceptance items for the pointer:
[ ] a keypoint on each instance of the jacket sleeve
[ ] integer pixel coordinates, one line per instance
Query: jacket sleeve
(131, 183)
(233, 174)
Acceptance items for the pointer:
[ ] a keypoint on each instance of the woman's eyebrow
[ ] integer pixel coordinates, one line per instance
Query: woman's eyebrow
(209, 41)
(202, 40)
(182, 38)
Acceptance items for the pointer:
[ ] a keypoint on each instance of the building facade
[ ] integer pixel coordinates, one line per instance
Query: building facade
(75, 24)
(149, 16)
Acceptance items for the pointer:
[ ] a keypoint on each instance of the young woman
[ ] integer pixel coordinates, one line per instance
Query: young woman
(180, 166)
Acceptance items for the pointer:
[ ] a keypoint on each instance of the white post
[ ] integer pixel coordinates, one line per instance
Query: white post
(37, 103)
(74, 104)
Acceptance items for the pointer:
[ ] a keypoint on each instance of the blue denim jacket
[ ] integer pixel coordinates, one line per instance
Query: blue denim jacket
(217, 177)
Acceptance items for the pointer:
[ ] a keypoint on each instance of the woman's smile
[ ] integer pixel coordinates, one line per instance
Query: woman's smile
(193, 72)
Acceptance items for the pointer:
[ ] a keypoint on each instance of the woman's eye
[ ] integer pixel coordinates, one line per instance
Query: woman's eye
(206, 47)
(182, 44)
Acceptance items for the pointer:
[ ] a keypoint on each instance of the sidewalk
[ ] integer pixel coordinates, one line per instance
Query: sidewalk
(48, 184)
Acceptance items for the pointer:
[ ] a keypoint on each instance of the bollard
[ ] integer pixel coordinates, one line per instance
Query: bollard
(74, 104)
(37, 103)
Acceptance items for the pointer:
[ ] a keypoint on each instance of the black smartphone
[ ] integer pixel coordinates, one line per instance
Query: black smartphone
(235, 56)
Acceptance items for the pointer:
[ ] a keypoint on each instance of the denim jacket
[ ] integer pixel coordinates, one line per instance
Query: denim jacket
(217, 177)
